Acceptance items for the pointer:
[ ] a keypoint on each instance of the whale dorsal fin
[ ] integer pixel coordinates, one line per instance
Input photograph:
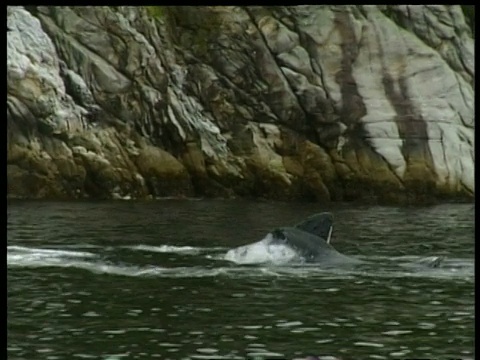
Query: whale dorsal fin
(319, 224)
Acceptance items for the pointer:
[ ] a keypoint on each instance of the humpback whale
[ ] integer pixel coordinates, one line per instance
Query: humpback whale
(308, 241)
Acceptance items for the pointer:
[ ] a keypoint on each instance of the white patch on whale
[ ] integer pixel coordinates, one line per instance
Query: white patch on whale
(330, 234)
(263, 251)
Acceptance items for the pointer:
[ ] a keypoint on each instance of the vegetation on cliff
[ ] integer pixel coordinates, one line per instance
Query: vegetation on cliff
(469, 12)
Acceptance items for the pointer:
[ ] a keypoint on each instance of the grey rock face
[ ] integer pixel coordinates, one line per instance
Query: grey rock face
(371, 103)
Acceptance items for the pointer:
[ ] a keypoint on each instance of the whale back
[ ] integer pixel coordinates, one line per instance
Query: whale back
(311, 247)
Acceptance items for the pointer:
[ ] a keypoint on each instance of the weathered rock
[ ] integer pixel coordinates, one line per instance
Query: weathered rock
(328, 103)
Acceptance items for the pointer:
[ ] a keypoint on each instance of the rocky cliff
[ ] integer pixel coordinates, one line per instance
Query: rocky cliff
(332, 103)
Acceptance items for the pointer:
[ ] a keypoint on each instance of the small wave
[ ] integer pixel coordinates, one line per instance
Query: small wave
(16, 260)
(235, 272)
(439, 262)
(26, 257)
(20, 256)
(187, 250)
(42, 252)
(35, 258)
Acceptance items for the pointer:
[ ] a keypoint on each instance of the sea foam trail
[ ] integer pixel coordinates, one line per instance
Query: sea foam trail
(41, 252)
(100, 267)
(103, 268)
(187, 250)
(25, 257)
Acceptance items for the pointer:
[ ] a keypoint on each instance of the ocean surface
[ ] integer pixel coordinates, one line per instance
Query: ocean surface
(151, 280)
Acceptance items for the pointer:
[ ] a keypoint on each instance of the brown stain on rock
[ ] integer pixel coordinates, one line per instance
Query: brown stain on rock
(419, 177)
(419, 180)
(353, 107)
(358, 154)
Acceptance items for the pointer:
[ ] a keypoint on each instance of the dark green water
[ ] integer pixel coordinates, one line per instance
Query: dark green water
(132, 280)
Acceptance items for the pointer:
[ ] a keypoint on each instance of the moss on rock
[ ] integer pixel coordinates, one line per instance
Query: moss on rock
(469, 13)
(164, 174)
(23, 183)
(293, 166)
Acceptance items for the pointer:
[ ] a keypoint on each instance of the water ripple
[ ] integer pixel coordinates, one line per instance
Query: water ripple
(150, 280)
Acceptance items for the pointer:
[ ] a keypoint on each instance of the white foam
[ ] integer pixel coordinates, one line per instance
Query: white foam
(261, 252)
(99, 267)
(35, 261)
(165, 249)
(41, 252)
(189, 250)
